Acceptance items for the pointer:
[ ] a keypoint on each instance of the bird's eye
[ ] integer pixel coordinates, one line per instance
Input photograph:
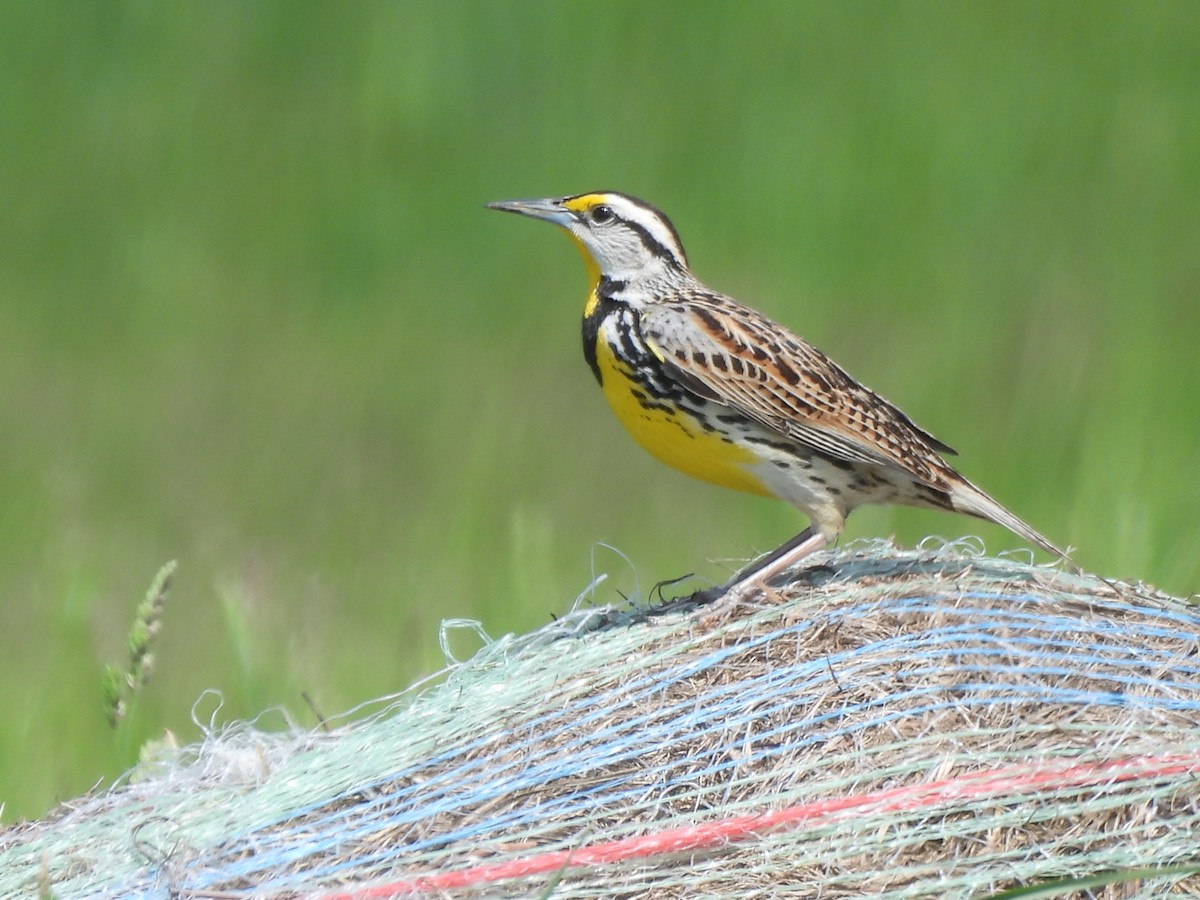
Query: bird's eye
(602, 214)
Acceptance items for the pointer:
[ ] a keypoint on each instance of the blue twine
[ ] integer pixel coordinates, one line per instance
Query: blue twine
(1032, 643)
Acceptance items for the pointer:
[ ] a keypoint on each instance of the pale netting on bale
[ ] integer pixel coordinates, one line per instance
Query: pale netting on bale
(894, 724)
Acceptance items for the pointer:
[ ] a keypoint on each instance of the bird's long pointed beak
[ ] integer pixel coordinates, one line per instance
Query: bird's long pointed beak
(549, 210)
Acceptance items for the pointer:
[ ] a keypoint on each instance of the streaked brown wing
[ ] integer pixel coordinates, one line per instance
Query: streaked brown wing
(735, 356)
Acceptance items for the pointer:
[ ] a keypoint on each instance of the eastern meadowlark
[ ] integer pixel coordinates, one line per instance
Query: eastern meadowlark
(723, 393)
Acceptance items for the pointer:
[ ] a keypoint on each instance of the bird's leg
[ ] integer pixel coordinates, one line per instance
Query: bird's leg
(761, 571)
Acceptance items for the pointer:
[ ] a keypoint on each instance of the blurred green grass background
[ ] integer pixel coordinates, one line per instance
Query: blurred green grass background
(254, 317)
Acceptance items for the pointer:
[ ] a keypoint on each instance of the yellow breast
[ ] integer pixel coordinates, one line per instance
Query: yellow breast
(673, 435)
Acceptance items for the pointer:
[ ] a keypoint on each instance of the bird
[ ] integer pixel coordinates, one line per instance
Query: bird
(721, 392)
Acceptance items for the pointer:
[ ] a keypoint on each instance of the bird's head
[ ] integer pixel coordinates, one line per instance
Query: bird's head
(620, 237)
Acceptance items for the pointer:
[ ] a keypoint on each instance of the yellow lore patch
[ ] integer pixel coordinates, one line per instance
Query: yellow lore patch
(675, 438)
(583, 202)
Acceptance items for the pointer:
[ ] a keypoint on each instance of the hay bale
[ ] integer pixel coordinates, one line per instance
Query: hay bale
(899, 724)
